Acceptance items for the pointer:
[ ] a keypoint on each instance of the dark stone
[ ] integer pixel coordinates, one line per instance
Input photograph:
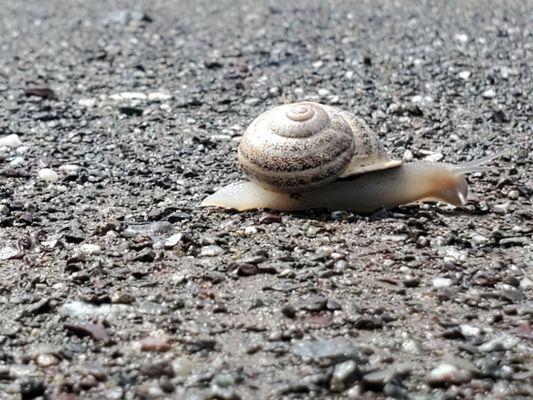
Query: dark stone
(31, 389)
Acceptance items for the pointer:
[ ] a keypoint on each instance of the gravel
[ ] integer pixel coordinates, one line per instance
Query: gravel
(119, 118)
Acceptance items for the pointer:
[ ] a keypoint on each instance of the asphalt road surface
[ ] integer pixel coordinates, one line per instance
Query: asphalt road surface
(118, 118)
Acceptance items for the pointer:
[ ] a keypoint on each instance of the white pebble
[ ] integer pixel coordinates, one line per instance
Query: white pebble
(441, 283)
(250, 230)
(526, 283)
(252, 101)
(173, 240)
(89, 248)
(12, 141)
(502, 208)
(408, 155)
(17, 161)
(274, 90)
(211, 251)
(22, 149)
(465, 75)
(48, 175)
(157, 96)
(513, 194)
(128, 96)
(469, 330)
(8, 252)
(182, 366)
(435, 157)
(69, 169)
(454, 255)
(236, 128)
(219, 138)
(88, 103)
(448, 373)
(334, 99)
(461, 37)
(323, 92)
(46, 360)
(78, 309)
(505, 72)
(419, 99)
(478, 239)
(489, 94)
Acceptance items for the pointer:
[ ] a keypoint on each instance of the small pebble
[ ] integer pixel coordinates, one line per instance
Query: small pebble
(503, 343)
(336, 349)
(250, 230)
(10, 252)
(464, 75)
(88, 103)
(69, 169)
(17, 161)
(342, 375)
(412, 346)
(469, 330)
(222, 387)
(89, 248)
(441, 283)
(355, 392)
(289, 311)
(173, 240)
(128, 96)
(502, 208)
(48, 175)
(219, 138)
(379, 378)
(489, 94)
(153, 344)
(435, 157)
(211, 251)
(461, 37)
(408, 155)
(513, 194)
(182, 366)
(454, 255)
(78, 309)
(448, 374)
(158, 97)
(12, 141)
(526, 283)
(323, 92)
(46, 360)
(274, 90)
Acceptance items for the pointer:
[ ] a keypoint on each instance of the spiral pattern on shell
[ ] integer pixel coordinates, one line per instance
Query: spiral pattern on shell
(296, 147)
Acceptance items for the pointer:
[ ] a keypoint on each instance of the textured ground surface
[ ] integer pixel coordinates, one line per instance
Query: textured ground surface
(113, 284)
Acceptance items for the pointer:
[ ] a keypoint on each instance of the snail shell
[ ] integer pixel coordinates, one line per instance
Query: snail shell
(301, 146)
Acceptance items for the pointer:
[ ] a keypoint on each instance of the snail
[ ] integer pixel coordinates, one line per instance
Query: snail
(307, 155)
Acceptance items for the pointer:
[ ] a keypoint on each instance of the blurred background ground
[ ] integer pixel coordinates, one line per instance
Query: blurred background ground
(114, 284)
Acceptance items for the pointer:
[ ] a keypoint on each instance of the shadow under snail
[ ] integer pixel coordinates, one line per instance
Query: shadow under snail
(308, 155)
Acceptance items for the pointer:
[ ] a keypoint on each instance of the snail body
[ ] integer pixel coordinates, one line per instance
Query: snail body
(306, 155)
